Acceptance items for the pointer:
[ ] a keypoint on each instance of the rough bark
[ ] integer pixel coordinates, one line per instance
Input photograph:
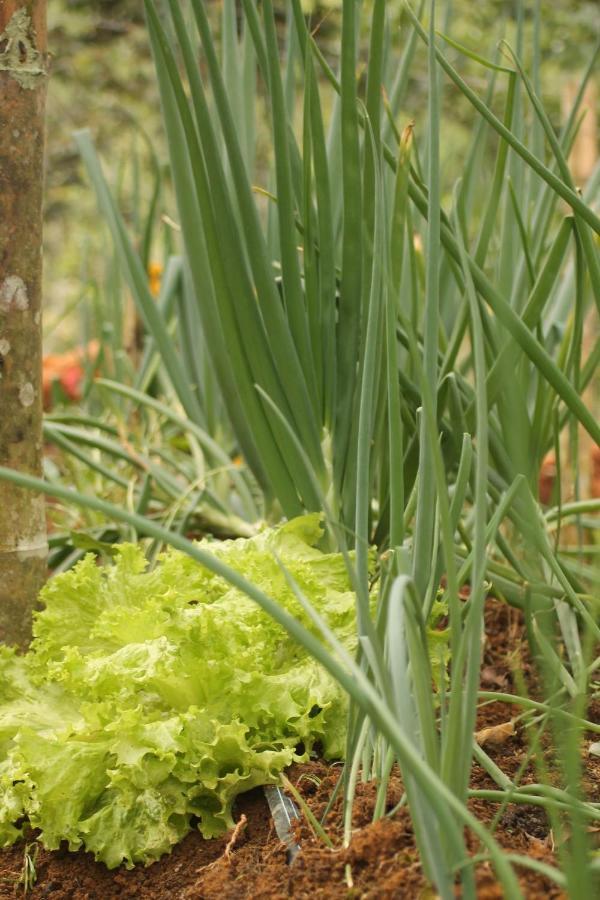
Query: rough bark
(23, 76)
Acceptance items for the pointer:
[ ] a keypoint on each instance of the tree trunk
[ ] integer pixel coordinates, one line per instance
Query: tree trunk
(23, 77)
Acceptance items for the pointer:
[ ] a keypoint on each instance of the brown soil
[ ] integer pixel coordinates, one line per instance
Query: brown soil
(381, 862)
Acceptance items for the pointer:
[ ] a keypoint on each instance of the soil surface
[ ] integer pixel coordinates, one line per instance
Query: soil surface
(381, 862)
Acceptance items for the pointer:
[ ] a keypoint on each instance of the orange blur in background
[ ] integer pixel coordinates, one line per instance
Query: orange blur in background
(67, 370)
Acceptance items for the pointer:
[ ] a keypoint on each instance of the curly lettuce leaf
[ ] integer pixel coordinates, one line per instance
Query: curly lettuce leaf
(151, 699)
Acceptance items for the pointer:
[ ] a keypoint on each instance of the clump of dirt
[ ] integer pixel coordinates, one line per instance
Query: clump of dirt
(381, 863)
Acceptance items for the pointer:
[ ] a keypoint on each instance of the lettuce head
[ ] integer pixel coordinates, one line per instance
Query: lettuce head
(151, 698)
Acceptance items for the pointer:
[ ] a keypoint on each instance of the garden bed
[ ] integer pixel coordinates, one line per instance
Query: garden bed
(382, 861)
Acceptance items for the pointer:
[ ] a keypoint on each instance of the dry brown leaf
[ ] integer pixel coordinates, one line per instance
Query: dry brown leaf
(495, 734)
(491, 676)
(538, 847)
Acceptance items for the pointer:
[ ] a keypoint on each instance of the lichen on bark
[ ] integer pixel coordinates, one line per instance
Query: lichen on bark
(18, 54)
(22, 112)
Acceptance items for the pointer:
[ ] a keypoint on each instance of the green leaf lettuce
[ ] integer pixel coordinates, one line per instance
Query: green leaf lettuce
(151, 699)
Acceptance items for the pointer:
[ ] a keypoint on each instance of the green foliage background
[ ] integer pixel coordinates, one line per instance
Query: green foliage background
(103, 78)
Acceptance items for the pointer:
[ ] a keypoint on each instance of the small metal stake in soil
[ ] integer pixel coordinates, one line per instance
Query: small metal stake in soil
(284, 811)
